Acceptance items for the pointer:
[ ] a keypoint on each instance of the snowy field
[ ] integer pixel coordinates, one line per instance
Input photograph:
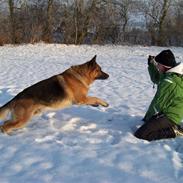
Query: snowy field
(86, 144)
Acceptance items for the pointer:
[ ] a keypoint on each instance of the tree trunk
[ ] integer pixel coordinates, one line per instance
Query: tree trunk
(160, 39)
(76, 22)
(48, 27)
(12, 21)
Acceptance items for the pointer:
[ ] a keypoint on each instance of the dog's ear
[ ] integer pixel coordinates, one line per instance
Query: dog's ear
(94, 58)
(92, 62)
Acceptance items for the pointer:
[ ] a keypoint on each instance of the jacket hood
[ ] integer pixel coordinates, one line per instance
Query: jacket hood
(177, 69)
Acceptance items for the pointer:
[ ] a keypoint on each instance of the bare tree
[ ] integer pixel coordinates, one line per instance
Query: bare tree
(123, 9)
(162, 19)
(3, 24)
(47, 35)
(156, 13)
(78, 8)
(175, 33)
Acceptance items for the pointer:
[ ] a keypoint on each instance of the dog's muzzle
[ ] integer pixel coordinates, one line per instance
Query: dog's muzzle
(103, 76)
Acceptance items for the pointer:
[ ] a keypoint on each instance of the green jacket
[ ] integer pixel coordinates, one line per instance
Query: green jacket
(169, 95)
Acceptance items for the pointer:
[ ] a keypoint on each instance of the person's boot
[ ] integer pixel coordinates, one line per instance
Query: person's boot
(178, 130)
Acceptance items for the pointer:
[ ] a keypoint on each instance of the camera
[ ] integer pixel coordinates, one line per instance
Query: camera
(151, 59)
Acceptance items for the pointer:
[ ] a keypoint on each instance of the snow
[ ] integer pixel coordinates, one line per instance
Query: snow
(83, 144)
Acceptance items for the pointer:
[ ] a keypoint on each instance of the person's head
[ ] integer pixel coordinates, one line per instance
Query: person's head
(165, 60)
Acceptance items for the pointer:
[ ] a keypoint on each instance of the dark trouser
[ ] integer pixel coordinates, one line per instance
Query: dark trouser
(156, 128)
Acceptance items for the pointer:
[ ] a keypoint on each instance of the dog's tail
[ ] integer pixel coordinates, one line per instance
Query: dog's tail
(4, 110)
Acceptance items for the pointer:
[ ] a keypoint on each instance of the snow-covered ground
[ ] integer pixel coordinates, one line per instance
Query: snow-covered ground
(86, 144)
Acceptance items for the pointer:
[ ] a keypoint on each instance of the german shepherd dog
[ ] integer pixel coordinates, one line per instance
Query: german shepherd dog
(56, 92)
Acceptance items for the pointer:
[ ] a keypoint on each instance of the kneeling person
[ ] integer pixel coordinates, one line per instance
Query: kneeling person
(165, 114)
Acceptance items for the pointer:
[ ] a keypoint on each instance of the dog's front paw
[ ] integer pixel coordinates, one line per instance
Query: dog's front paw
(104, 104)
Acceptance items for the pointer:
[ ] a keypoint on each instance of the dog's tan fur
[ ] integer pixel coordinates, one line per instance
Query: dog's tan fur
(56, 92)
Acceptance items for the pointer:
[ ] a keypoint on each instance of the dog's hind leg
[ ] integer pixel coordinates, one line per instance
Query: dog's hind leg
(19, 120)
(4, 112)
(11, 125)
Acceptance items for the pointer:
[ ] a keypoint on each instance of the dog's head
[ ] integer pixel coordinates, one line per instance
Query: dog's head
(90, 71)
(95, 70)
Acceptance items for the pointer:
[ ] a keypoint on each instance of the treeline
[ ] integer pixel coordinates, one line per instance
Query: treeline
(145, 22)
